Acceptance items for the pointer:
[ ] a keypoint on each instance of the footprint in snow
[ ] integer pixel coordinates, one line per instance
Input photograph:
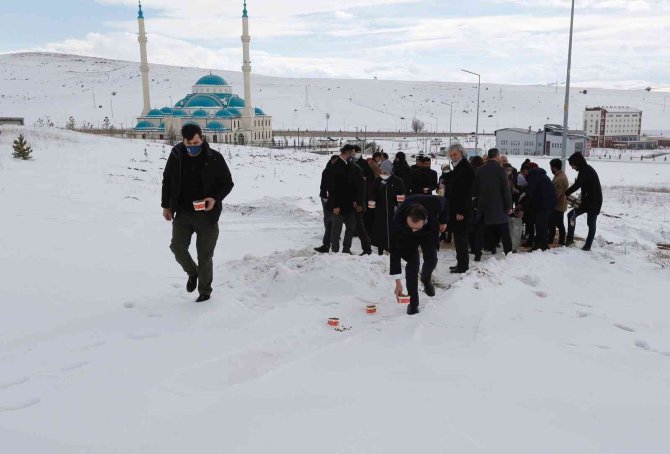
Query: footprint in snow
(531, 281)
(140, 336)
(175, 285)
(20, 405)
(541, 294)
(18, 381)
(624, 327)
(129, 305)
(581, 314)
(642, 344)
(74, 366)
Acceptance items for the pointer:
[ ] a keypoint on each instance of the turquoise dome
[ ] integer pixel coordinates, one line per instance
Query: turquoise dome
(259, 111)
(224, 113)
(236, 101)
(203, 101)
(181, 102)
(166, 110)
(235, 112)
(211, 79)
(179, 113)
(144, 125)
(155, 113)
(200, 113)
(191, 123)
(215, 125)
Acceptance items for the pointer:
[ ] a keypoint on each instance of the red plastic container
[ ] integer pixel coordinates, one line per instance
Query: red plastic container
(334, 322)
(199, 205)
(403, 299)
(371, 309)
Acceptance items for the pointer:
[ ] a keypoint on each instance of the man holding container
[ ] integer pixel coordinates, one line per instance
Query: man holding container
(195, 182)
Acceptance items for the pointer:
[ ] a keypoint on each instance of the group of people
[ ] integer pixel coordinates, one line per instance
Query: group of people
(406, 211)
(397, 208)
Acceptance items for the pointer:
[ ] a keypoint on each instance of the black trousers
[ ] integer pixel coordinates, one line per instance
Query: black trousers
(480, 232)
(461, 243)
(336, 223)
(362, 232)
(556, 222)
(541, 223)
(429, 251)
(326, 223)
(591, 219)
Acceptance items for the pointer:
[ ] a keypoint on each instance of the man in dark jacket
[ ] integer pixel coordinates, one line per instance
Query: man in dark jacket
(341, 197)
(591, 200)
(360, 171)
(560, 186)
(417, 224)
(494, 202)
(541, 199)
(194, 172)
(424, 179)
(323, 195)
(459, 196)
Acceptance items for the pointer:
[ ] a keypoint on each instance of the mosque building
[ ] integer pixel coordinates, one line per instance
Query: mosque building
(223, 116)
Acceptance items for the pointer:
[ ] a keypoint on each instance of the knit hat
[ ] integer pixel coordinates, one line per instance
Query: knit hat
(386, 167)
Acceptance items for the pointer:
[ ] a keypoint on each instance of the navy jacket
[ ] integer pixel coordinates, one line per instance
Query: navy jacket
(540, 191)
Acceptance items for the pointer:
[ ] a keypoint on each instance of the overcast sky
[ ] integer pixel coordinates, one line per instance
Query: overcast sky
(507, 41)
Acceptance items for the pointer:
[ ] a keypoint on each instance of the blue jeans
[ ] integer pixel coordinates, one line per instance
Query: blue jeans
(591, 219)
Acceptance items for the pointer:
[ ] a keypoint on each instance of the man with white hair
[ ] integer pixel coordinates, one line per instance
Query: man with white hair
(459, 196)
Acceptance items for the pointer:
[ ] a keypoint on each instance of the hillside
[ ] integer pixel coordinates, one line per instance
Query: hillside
(36, 85)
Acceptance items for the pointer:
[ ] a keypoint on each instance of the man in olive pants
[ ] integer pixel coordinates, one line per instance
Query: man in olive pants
(195, 182)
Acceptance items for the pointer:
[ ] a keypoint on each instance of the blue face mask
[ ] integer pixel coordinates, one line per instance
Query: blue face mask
(194, 150)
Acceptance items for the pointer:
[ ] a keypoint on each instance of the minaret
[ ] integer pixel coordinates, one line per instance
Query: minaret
(144, 66)
(248, 110)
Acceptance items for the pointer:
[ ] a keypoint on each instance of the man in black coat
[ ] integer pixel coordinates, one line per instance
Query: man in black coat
(494, 202)
(323, 195)
(358, 167)
(402, 170)
(195, 173)
(459, 195)
(424, 179)
(341, 197)
(591, 200)
(417, 224)
(540, 198)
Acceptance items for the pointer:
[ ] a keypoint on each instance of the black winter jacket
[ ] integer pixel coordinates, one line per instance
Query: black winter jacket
(216, 179)
(589, 183)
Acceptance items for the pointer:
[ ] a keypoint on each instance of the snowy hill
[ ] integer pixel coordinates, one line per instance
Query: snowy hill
(102, 350)
(35, 85)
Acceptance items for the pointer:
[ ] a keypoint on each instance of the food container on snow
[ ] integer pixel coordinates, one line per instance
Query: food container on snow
(334, 322)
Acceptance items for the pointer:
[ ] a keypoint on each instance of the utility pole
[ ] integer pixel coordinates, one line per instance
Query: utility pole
(566, 108)
(479, 87)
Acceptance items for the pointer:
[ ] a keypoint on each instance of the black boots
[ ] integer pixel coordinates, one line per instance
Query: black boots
(411, 310)
(428, 286)
(322, 249)
(202, 298)
(192, 283)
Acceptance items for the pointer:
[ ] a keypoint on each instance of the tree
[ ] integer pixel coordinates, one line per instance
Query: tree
(417, 125)
(21, 148)
(105, 123)
(71, 124)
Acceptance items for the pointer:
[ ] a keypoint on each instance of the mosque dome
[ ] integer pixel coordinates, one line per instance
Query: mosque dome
(144, 125)
(179, 113)
(166, 110)
(236, 101)
(211, 79)
(200, 113)
(203, 101)
(155, 113)
(235, 112)
(259, 111)
(224, 113)
(215, 125)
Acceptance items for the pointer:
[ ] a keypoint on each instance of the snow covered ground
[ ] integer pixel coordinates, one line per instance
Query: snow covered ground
(103, 351)
(37, 85)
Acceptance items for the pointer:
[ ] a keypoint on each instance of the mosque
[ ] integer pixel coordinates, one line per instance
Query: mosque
(223, 116)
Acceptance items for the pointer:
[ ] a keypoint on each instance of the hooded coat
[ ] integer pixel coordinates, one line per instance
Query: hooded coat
(589, 183)
(540, 191)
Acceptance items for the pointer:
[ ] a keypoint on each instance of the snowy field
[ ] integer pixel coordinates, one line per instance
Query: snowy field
(36, 85)
(103, 351)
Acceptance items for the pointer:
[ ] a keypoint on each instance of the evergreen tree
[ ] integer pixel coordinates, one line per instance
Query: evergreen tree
(71, 124)
(21, 148)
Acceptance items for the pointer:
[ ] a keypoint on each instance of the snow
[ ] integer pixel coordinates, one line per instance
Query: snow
(103, 351)
(36, 85)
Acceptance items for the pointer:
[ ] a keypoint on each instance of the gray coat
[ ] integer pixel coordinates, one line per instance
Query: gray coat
(491, 190)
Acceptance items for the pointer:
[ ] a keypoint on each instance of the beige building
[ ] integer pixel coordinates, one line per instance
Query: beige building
(606, 125)
(224, 116)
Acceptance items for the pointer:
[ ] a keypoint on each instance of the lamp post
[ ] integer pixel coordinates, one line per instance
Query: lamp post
(566, 106)
(451, 113)
(479, 87)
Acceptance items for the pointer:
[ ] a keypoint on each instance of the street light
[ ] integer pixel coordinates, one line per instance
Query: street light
(479, 87)
(451, 113)
(566, 106)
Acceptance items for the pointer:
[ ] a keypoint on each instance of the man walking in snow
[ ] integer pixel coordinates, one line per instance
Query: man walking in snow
(591, 200)
(417, 224)
(341, 197)
(194, 172)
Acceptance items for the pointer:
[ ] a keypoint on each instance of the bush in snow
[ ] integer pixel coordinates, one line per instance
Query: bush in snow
(21, 148)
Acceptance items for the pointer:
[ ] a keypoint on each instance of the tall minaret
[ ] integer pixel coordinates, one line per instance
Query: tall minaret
(144, 66)
(248, 110)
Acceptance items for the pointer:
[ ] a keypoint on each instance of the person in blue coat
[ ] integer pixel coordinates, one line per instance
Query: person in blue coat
(541, 198)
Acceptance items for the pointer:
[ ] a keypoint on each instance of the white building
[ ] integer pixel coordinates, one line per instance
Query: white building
(606, 125)
(547, 141)
(223, 116)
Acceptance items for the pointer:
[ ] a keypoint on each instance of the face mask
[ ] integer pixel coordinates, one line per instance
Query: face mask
(194, 150)
(385, 177)
(357, 156)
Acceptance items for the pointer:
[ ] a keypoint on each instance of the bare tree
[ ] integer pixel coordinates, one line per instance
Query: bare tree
(417, 125)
